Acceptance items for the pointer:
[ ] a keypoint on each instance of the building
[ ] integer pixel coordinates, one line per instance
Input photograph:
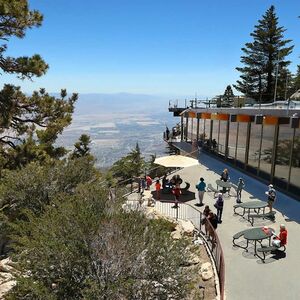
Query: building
(264, 142)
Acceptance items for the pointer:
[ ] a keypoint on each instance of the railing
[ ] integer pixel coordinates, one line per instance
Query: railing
(185, 212)
(188, 212)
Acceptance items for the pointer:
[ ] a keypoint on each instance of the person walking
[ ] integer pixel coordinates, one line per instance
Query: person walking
(157, 189)
(240, 186)
(219, 206)
(271, 193)
(201, 190)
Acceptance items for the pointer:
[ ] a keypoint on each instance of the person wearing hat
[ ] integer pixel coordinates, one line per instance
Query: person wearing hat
(240, 186)
(219, 206)
(271, 193)
(281, 239)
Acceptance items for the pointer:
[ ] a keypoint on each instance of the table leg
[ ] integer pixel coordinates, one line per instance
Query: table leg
(255, 248)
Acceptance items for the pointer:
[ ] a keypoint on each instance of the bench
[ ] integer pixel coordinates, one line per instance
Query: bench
(235, 207)
(210, 188)
(237, 236)
(186, 188)
(265, 250)
(269, 215)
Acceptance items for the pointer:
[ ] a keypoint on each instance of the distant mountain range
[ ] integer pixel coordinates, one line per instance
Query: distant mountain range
(121, 102)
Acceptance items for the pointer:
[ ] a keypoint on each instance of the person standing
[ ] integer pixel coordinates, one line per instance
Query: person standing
(176, 192)
(201, 190)
(271, 193)
(148, 182)
(157, 188)
(212, 226)
(167, 133)
(240, 186)
(219, 206)
(225, 178)
(204, 221)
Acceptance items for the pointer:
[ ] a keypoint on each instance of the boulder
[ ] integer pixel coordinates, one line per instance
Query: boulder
(5, 287)
(6, 265)
(206, 271)
(186, 227)
(176, 235)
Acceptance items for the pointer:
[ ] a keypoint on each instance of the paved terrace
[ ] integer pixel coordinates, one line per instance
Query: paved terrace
(246, 276)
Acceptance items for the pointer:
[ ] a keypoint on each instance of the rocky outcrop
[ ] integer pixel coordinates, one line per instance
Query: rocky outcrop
(7, 279)
(206, 271)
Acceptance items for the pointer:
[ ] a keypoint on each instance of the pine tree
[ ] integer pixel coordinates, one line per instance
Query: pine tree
(257, 79)
(227, 98)
(15, 18)
(29, 125)
(296, 81)
(82, 147)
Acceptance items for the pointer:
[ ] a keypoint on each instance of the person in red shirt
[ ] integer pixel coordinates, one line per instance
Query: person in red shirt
(157, 188)
(148, 182)
(281, 239)
(176, 192)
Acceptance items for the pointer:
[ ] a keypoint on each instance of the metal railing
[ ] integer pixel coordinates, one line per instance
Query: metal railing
(188, 212)
(184, 212)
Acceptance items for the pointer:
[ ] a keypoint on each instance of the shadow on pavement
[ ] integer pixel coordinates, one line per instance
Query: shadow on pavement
(285, 204)
(187, 196)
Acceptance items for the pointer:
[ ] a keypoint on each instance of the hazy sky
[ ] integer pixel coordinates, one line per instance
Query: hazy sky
(169, 47)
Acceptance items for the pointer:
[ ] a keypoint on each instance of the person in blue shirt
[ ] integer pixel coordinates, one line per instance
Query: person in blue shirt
(201, 190)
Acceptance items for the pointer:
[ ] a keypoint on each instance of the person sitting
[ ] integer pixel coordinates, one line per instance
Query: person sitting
(165, 181)
(281, 239)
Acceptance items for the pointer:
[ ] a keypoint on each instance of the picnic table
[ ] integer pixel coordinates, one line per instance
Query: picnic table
(250, 205)
(253, 234)
(227, 185)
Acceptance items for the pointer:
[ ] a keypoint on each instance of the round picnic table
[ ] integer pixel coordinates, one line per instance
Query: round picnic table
(256, 205)
(257, 234)
(227, 185)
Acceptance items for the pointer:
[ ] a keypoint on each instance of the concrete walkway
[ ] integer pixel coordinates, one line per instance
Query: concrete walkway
(246, 277)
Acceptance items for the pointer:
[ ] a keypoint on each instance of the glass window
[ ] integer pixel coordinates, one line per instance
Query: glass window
(232, 139)
(284, 148)
(241, 142)
(194, 129)
(254, 145)
(295, 170)
(222, 137)
(215, 135)
(201, 129)
(266, 151)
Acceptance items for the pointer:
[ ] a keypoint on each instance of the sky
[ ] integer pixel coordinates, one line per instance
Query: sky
(159, 47)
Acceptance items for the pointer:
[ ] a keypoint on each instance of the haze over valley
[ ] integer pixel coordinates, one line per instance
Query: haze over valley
(117, 122)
